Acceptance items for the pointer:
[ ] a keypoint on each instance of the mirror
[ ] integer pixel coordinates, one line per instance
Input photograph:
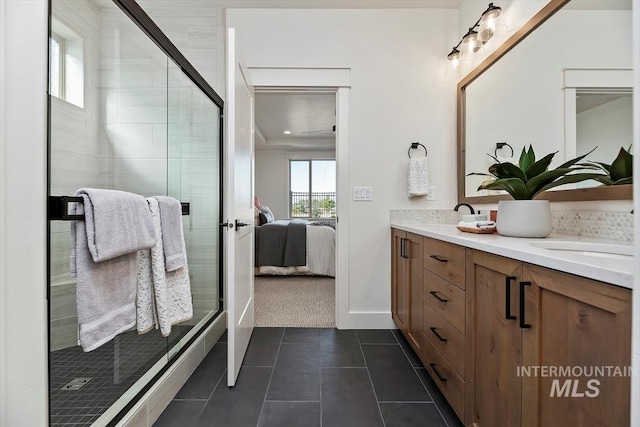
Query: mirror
(561, 83)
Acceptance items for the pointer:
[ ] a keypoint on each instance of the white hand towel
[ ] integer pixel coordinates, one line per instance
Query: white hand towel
(481, 225)
(418, 178)
(106, 286)
(171, 221)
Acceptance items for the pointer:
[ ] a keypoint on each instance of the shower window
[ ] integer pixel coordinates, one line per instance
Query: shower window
(145, 128)
(66, 64)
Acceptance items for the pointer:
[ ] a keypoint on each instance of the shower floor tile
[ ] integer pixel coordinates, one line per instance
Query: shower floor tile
(113, 369)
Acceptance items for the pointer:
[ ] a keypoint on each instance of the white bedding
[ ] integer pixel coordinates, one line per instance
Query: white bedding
(321, 255)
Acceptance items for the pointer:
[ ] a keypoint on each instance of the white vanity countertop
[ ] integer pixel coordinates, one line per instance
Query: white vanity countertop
(614, 270)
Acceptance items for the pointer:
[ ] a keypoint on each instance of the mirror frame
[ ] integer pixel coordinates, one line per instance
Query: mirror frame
(621, 192)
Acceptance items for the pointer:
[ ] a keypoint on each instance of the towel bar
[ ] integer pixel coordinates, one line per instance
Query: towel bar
(59, 208)
(414, 146)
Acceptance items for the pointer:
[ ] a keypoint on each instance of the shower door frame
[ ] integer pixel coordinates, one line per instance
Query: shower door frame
(142, 20)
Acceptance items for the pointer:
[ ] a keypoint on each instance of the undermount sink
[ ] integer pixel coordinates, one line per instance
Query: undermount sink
(604, 250)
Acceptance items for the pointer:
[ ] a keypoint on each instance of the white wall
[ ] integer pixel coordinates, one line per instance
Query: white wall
(23, 191)
(272, 176)
(399, 94)
(608, 127)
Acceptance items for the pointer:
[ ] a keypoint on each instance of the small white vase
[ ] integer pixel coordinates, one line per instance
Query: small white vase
(524, 218)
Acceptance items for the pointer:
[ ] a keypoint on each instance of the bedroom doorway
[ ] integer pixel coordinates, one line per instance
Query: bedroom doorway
(296, 205)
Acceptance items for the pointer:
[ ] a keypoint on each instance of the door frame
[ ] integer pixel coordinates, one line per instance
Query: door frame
(336, 80)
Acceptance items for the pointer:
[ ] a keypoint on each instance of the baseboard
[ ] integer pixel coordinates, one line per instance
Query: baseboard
(151, 405)
(369, 320)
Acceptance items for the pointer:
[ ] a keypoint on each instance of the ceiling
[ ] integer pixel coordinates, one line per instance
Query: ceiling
(298, 113)
(588, 101)
(339, 4)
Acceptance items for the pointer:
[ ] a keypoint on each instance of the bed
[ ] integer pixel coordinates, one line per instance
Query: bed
(295, 247)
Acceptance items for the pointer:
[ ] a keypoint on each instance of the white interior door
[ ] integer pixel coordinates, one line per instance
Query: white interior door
(239, 239)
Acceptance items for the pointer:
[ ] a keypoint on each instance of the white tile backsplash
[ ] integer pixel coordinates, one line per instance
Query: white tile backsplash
(609, 225)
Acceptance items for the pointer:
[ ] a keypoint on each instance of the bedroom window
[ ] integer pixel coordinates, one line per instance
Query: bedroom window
(66, 64)
(312, 188)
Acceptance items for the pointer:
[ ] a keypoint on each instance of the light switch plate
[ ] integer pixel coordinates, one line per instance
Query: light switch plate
(362, 194)
(431, 195)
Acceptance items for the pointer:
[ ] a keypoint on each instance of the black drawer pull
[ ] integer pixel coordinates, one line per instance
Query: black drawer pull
(436, 296)
(438, 258)
(523, 325)
(438, 335)
(440, 377)
(507, 298)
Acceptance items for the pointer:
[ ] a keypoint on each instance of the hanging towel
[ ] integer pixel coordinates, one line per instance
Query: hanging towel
(179, 288)
(152, 299)
(117, 223)
(418, 179)
(171, 221)
(170, 301)
(104, 260)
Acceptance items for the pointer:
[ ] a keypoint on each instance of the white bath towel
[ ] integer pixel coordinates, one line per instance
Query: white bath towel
(106, 289)
(164, 298)
(171, 220)
(117, 223)
(418, 177)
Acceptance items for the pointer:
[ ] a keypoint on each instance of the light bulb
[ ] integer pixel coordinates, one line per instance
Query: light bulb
(488, 23)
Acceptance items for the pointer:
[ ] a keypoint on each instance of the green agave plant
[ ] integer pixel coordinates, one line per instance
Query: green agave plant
(617, 173)
(529, 177)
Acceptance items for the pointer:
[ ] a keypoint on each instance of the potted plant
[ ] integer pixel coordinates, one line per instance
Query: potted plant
(619, 172)
(523, 216)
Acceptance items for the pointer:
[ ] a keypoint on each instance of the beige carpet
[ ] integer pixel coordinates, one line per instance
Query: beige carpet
(295, 301)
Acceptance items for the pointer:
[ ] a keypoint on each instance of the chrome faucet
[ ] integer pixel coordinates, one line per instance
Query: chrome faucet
(464, 204)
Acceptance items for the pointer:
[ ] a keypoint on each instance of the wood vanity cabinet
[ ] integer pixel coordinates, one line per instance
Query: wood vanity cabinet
(407, 284)
(521, 315)
(443, 332)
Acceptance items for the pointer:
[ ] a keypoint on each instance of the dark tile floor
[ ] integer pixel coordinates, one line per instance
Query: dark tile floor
(313, 377)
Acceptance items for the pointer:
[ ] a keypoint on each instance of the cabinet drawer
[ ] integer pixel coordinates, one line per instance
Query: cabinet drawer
(445, 259)
(446, 299)
(448, 381)
(445, 338)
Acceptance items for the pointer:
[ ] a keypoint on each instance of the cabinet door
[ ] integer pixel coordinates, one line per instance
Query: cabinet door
(415, 260)
(575, 322)
(399, 275)
(494, 346)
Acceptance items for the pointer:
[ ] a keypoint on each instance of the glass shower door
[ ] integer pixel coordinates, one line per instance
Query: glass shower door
(194, 178)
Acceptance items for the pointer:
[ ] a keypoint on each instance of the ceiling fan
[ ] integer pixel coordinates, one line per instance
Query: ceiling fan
(333, 130)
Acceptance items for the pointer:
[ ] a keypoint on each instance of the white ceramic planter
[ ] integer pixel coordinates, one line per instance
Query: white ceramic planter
(524, 218)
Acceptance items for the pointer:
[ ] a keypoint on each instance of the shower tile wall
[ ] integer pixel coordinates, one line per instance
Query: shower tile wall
(76, 153)
(197, 29)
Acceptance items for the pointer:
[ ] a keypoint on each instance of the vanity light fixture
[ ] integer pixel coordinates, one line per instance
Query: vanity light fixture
(287, 132)
(472, 42)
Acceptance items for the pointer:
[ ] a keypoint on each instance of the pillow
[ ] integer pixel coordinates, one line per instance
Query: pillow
(267, 213)
(262, 219)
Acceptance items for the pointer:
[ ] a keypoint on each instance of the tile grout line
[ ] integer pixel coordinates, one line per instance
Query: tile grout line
(273, 369)
(432, 399)
(366, 365)
(420, 379)
(211, 395)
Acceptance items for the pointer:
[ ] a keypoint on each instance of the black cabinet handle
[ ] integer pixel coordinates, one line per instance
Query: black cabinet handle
(402, 248)
(438, 335)
(438, 258)
(436, 296)
(523, 325)
(507, 298)
(406, 248)
(440, 377)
